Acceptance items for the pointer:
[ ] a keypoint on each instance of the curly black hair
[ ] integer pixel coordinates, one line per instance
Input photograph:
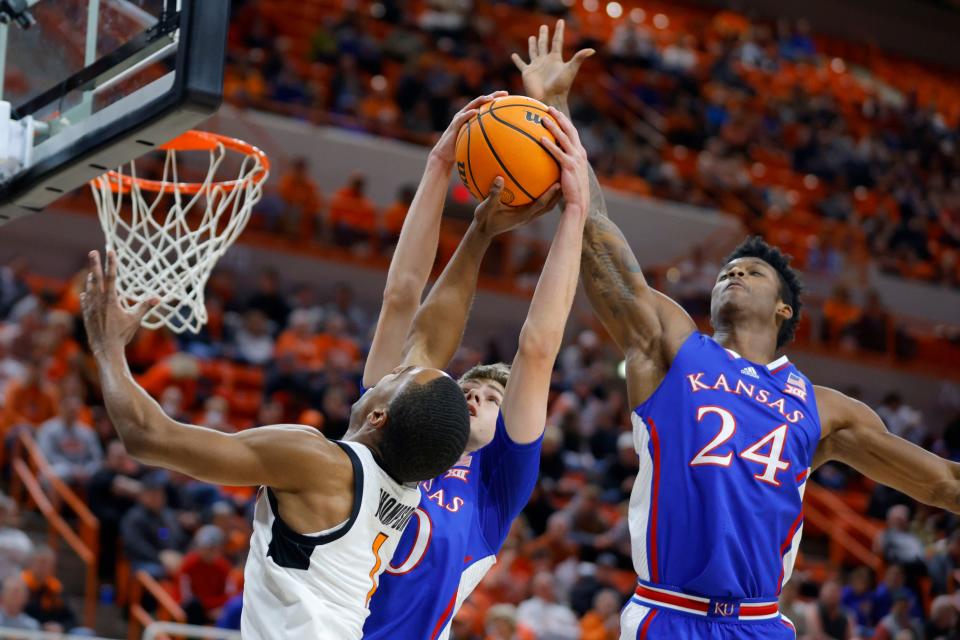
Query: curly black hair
(426, 432)
(790, 285)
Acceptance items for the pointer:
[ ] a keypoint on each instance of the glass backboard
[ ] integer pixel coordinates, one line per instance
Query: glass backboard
(102, 82)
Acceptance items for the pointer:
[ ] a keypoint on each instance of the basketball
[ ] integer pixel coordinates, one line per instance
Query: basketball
(503, 139)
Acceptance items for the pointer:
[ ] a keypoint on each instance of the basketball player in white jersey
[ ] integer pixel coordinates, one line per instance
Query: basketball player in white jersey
(329, 514)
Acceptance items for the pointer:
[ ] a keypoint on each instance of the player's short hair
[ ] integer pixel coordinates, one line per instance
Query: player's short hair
(790, 286)
(498, 372)
(426, 432)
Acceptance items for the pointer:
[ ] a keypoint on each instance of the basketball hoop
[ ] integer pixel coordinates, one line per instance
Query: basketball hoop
(167, 244)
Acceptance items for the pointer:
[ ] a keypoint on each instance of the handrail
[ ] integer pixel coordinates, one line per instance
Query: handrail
(831, 514)
(89, 527)
(59, 525)
(188, 630)
(166, 605)
(23, 634)
(841, 541)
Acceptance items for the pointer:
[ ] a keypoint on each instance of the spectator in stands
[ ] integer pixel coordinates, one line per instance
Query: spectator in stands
(268, 299)
(693, 282)
(544, 615)
(900, 418)
(336, 338)
(153, 539)
(231, 613)
(944, 622)
(395, 214)
(620, 475)
(15, 545)
(794, 609)
(872, 329)
(344, 305)
(894, 581)
(857, 596)
(172, 402)
(942, 566)
(216, 414)
(13, 600)
(112, 491)
(899, 619)
(839, 314)
(71, 447)
(829, 619)
(299, 342)
(592, 579)
(29, 401)
(253, 340)
(500, 622)
(302, 199)
(587, 520)
(13, 285)
(46, 604)
(896, 544)
(204, 577)
(352, 216)
(602, 622)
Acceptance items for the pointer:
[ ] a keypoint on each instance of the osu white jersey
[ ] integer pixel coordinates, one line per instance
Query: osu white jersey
(318, 587)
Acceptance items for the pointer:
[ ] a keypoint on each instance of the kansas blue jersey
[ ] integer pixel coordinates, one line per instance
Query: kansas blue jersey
(725, 447)
(463, 519)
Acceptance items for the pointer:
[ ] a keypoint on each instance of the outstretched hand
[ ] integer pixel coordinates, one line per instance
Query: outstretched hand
(572, 158)
(494, 217)
(547, 77)
(109, 327)
(446, 147)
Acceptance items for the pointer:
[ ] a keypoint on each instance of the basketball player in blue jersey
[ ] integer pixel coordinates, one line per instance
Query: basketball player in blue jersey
(329, 514)
(727, 431)
(466, 513)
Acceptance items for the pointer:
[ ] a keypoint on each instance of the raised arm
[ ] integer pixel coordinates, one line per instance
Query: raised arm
(439, 323)
(525, 399)
(416, 251)
(648, 326)
(855, 435)
(283, 457)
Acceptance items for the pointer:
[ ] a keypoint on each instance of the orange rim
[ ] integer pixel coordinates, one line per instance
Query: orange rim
(192, 141)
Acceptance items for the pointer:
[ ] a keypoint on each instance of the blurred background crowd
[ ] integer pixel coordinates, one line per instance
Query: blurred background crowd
(850, 165)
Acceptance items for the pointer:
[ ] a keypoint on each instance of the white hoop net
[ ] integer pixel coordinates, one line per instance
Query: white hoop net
(167, 245)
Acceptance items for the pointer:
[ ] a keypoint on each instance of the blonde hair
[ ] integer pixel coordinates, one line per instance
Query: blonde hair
(498, 372)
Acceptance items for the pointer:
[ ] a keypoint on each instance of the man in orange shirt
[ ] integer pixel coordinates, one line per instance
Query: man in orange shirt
(353, 217)
(29, 401)
(303, 201)
(395, 214)
(335, 338)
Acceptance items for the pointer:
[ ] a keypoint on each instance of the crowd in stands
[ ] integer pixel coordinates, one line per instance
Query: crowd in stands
(844, 169)
(277, 351)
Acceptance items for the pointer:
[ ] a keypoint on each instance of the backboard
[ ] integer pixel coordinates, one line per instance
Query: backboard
(92, 84)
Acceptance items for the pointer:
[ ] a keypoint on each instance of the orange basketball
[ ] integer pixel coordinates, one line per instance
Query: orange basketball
(503, 139)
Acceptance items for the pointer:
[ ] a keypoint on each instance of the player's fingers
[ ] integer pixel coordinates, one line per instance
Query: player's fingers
(517, 60)
(144, 307)
(558, 37)
(543, 40)
(461, 118)
(579, 57)
(110, 280)
(567, 126)
(532, 47)
(548, 200)
(554, 150)
(493, 196)
(563, 140)
(96, 272)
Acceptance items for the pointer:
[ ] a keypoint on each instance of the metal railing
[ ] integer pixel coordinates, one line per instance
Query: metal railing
(163, 629)
(32, 473)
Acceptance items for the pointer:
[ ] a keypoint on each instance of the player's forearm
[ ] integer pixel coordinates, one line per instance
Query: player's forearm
(417, 247)
(138, 419)
(409, 270)
(547, 318)
(439, 324)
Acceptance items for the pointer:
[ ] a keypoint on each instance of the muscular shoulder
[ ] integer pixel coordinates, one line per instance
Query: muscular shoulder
(311, 461)
(840, 418)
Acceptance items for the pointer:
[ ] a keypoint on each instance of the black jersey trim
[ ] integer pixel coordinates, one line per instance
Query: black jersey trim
(291, 549)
